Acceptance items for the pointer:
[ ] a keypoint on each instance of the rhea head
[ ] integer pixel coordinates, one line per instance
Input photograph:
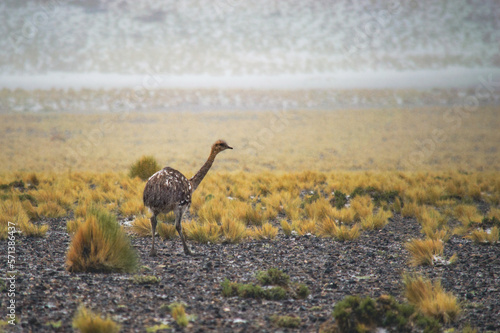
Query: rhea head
(220, 145)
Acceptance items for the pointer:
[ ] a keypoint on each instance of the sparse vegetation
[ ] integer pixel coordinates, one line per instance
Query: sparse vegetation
(87, 321)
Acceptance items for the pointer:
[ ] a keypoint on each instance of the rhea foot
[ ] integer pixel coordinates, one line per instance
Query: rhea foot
(152, 253)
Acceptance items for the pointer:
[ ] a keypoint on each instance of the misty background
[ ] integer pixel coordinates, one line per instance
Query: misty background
(257, 45)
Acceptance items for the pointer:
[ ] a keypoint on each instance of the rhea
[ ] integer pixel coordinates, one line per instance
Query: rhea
(168, 190)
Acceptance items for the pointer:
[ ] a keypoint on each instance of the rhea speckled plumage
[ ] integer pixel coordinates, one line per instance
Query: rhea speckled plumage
(168, 190)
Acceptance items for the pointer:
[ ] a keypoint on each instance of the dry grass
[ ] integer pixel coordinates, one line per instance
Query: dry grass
(233, 231)
(376, 221)
(166, 231)
(87, 321)
(480, 236)
(266, 231)
(202, 232)
(100, 245)
(32, 230)
(431, 298)
(423, 252)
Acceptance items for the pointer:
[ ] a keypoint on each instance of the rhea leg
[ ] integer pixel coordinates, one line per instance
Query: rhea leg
(178, 218)
(153, 230)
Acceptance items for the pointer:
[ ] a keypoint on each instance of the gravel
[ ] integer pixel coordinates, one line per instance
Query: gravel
(371, 265)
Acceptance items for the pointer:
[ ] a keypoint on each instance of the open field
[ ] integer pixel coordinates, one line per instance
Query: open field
(370, 139)
(343, 202)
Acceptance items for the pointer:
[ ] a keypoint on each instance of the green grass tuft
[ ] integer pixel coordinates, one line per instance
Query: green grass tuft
(144, 168)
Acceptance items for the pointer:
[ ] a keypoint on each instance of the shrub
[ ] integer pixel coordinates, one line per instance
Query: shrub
(431, 298)
(424, 251)
(285, 321)
(88, 322)
(100, 245)
(356, 314)
(273, 277)
(339, 199)
(230, 289)
(145, 279)
(144, 168)
(302, 291)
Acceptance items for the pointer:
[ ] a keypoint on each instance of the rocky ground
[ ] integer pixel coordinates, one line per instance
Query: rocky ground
(372, 265)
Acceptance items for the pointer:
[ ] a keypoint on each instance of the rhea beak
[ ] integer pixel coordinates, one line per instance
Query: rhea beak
(228, 147)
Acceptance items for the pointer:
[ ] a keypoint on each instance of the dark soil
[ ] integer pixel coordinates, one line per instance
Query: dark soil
(372, 265)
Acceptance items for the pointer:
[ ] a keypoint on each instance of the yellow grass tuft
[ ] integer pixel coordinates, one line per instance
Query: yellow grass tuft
(344, 233)
(410, 209)
(133, 207)
(165, 230)
(424, 251)
(430, 298)
(100, 245)
(345, 215)
(481, 236)
(304, 227)
(32, 230)
(362, 206)
(467, 214)
(376, 221)
(318, 209)
(233, 230)
(266, 231)
(141, 226)
(202, 232)
(179, 314)
(51, 209)
(73, 225)
(286, 227)
(87, 321)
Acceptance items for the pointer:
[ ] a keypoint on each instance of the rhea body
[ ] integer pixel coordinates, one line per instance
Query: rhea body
(169, 190)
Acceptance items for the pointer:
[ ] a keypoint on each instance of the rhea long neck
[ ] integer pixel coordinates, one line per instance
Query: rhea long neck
(196, 180)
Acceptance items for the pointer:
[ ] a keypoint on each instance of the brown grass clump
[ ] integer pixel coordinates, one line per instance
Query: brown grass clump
(345, 215)
(424, 251)
(100, 245)
(89, 322)
(430, 298)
